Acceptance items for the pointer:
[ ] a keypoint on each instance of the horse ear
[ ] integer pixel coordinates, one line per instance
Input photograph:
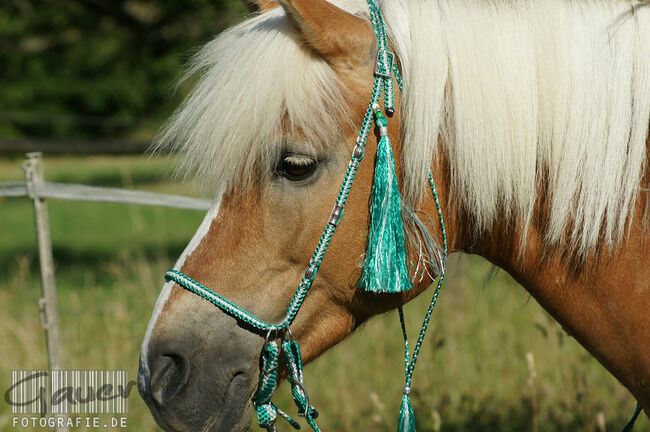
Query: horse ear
(260, 5)
(332, 32)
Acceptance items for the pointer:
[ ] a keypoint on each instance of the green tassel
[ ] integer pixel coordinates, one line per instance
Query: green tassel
(406, 417)
(384, 268)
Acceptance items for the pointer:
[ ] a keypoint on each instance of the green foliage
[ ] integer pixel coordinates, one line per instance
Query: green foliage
(97, 68)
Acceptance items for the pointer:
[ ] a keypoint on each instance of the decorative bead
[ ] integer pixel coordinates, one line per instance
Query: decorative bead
(336, 215)
(358, 151)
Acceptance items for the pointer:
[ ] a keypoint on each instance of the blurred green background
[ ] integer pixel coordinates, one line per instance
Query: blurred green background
(104, 69)
(97, 68)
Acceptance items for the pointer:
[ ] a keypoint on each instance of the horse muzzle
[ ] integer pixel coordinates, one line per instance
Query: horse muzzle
(199, 372)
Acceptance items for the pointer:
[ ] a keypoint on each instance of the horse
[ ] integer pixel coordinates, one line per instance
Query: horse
(533, 118)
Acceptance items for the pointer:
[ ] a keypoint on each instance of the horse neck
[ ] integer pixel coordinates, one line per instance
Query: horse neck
(602, 301)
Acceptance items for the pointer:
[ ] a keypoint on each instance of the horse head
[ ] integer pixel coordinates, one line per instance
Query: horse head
(276, 117)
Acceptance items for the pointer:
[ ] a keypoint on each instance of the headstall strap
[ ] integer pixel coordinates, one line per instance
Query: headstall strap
(279, 341)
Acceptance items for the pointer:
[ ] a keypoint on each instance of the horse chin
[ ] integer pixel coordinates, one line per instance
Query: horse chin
(232, 415)
(231, 422)
(235, 415)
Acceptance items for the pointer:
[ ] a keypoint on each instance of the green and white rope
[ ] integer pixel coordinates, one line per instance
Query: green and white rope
(410, 361)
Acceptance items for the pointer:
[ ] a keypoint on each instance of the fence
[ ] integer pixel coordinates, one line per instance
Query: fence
(38, 190)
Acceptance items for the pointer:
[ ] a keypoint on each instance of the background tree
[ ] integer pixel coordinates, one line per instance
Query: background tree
(98, 68)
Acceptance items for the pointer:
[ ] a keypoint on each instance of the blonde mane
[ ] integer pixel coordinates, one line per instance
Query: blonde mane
(513, 92)
(525, 92)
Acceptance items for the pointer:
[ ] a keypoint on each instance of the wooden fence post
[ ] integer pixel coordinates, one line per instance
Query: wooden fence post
(47, 304)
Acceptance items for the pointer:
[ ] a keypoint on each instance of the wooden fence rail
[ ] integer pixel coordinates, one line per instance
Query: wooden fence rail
(13, 189)
(77, 192)
(37, 189)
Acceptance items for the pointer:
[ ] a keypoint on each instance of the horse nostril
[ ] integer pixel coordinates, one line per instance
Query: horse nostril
(144, 382)
(169, 375)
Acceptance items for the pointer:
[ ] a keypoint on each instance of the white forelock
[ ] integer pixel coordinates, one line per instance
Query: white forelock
(256, 85)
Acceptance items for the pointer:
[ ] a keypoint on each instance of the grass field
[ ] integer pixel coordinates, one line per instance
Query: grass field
(492, 361)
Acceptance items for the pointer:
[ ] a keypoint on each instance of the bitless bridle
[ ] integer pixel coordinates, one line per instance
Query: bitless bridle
(279, 339)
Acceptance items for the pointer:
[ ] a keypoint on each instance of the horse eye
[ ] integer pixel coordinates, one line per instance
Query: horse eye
(296, 167)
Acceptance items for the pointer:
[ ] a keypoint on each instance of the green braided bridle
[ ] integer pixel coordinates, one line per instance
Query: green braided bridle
(279, 339)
